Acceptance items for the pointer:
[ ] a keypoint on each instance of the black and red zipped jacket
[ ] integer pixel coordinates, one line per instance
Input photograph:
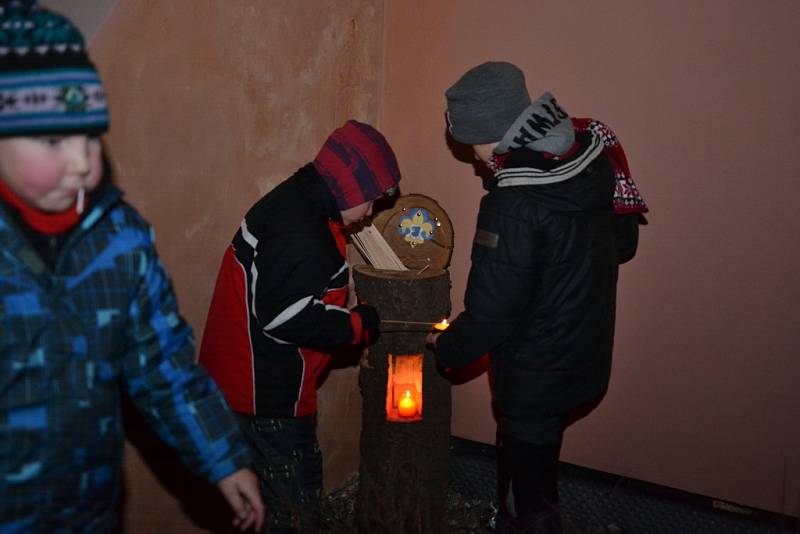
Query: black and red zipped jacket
(279, 305)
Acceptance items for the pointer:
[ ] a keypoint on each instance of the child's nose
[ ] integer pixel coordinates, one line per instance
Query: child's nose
(77, 154)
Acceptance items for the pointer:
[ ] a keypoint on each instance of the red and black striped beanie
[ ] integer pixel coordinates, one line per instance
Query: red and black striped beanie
(357, 164)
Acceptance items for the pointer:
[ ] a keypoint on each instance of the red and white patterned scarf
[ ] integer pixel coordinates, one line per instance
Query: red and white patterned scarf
(627, 198)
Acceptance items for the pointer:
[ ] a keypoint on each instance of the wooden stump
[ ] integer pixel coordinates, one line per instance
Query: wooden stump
(403, 475)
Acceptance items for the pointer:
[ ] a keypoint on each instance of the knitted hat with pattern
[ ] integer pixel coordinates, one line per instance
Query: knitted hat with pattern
(357, 164)
(48, 85)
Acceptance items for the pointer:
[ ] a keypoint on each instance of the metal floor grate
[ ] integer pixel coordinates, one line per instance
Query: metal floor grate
(591, 503)
(597, 503)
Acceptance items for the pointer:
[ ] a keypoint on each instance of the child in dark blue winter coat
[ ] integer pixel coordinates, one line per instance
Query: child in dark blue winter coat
(87, 311)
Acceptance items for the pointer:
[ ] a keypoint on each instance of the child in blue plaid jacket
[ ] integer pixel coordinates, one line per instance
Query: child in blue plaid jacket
(87, 311)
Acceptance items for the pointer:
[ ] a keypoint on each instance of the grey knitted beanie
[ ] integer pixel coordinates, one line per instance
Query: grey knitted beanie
(485, 102)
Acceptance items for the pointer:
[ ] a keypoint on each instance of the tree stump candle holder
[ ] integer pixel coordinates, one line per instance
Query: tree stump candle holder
(405, 434)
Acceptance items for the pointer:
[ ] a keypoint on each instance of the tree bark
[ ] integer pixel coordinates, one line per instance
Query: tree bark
(403, 474)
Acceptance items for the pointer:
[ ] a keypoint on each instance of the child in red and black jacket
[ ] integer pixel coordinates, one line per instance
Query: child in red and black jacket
(279, 308)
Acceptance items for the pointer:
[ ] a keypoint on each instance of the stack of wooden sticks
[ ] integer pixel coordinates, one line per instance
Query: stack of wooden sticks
(373, 247)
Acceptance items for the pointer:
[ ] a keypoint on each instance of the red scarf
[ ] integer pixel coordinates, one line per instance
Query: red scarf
(41, 221)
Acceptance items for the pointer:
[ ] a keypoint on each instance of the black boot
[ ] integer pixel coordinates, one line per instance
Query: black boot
(527, 477)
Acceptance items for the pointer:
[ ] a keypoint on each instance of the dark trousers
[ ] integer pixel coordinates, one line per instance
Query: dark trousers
(289, 467)
(527, 476)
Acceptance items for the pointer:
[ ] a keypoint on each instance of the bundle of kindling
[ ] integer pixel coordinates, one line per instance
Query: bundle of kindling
(373, 247)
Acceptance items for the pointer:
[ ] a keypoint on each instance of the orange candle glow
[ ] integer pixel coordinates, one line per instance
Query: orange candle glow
(407, 407)
(441, 326)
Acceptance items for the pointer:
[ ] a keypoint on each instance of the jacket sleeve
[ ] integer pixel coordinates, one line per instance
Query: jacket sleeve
(173, 393)
(295, 273)
(500, 286)
(627, 233)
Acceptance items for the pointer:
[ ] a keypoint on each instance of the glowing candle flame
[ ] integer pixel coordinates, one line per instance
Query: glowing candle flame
(441, 326)
(407, 407)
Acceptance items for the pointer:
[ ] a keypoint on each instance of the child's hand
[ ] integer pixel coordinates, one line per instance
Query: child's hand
(370, 323)
(431, 339)
(242, 493)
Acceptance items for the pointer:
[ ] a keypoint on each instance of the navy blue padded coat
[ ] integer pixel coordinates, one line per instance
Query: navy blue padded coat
(102, 322)
(541, 291)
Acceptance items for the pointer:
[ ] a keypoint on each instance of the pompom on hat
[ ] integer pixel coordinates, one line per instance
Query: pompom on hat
(48, 85)
(357, 164)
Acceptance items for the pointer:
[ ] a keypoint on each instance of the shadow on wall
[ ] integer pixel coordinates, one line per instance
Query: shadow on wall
(200, 501)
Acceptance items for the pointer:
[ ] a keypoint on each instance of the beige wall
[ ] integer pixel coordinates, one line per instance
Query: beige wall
(213, 104)
(704, 394)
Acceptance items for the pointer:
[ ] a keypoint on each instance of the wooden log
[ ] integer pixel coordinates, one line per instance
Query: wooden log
(403, 474)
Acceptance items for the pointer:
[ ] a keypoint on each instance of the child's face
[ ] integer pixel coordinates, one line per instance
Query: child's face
(484, 152)
(48, 172)
(356, 213)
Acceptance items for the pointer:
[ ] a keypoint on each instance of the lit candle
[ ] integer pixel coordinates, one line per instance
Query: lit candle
(441, 326)
(407, 407)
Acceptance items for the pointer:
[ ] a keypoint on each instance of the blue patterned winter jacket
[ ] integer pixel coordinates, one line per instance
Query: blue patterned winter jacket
(73, 339)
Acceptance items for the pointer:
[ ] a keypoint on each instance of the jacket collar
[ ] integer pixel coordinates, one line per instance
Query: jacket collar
(13, 232)
(314, 188)
(552, 171)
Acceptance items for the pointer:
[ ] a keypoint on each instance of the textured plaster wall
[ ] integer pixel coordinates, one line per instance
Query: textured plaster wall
(213, 104)
(704, 394)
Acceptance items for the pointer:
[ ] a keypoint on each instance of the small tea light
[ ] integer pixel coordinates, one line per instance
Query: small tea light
(441, 326)
(407, 407)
